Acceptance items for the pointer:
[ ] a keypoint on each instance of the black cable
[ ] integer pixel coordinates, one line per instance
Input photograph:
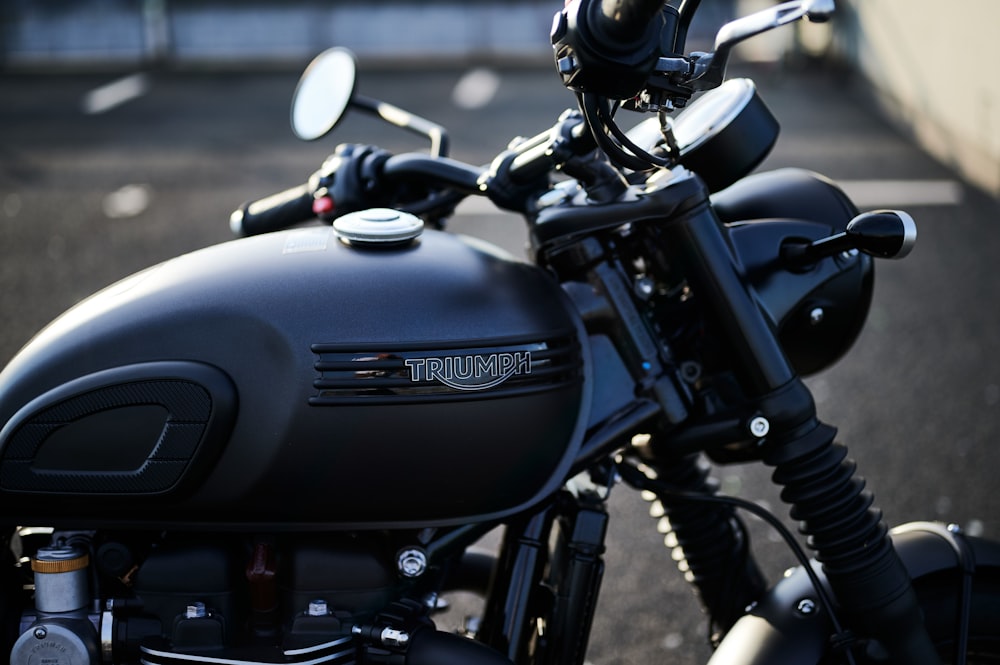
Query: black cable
(635, 477)
(590, 107)
(627, 143)
(600, 119)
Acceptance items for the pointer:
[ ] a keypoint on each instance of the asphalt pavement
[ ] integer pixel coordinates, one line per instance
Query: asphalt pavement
(90, 192)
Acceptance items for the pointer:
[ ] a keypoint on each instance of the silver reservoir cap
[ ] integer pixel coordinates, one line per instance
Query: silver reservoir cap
(378, 226)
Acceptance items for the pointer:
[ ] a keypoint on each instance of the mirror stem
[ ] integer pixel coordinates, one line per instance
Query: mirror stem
(394, 115)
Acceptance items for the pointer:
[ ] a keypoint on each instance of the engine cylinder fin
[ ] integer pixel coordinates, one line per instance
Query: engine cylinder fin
(339, 652)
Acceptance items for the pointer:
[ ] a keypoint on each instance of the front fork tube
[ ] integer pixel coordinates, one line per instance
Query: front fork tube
(871, 585)
(508, 619)
(543, 595)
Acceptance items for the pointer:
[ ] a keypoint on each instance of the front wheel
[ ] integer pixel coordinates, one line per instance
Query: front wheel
(940, 601)
(960, 580)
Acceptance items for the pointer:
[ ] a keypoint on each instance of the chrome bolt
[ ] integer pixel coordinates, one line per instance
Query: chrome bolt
(471, 625)
(806, 606)
(759, 427)
(317, 608)
(196, 610)
(566, 65)
(954, 528)
(644, 287)
(40, 633)
(436, 603)
(391, 637)
(816, 315)
(411, 562)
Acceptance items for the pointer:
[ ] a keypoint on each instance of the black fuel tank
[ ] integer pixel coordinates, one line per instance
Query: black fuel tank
(293, 380)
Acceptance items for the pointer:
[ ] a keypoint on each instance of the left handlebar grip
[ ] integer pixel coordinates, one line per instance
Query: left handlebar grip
(276, 212)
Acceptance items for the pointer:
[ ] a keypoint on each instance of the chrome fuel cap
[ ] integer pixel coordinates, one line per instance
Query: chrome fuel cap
(378, 226)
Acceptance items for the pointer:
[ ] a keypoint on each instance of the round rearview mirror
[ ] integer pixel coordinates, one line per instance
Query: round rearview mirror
(323, 94)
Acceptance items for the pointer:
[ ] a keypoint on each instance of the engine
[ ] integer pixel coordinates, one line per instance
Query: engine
(91, 597)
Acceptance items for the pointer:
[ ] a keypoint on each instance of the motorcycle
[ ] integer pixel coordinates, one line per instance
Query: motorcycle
(283, 449)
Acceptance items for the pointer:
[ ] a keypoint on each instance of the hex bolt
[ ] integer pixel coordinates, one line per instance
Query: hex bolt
(644, 288)
(806, 606)
(196, 610)
(690, 371)
(566, 65)
(411, 562)
(760, 426)
(318, 608)
(391, 637)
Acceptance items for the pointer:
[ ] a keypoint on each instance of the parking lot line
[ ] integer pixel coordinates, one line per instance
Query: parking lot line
(869, 193)
(116, 93)
(864, 194)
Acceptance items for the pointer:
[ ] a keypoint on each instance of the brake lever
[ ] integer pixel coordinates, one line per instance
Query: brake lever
(708, 70)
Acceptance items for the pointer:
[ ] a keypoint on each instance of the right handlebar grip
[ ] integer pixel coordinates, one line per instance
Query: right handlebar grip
(623, 23)
(276, 212)
(609, 47)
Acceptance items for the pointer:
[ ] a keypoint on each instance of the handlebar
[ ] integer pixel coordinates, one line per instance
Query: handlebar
(297, 204)
(618, 39)
(359, 176)
(444, 172)
(276, 212)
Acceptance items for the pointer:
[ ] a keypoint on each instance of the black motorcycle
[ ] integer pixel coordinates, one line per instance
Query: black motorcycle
(282, 449)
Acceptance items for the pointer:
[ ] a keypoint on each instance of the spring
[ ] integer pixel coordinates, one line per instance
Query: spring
(708, 541)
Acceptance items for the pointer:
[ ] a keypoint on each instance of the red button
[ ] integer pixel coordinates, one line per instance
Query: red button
(323, 205)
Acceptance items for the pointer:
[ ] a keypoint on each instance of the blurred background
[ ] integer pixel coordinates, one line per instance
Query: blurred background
(129, 130)
(928, 61)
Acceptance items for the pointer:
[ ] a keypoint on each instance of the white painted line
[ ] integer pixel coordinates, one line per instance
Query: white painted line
(873, 193)
(129, 201)
(116, 93)
(476, 89)
(864, 194)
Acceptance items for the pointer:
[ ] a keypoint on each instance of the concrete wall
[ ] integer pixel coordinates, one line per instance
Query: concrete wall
(81, 34)
(936, 67)
(122, 33)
